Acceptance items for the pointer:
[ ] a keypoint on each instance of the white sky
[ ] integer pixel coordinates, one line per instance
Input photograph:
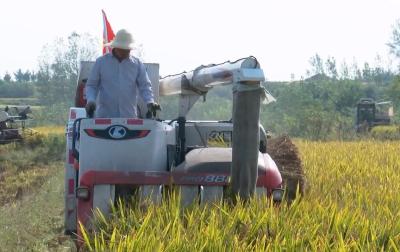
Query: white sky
(181, 35)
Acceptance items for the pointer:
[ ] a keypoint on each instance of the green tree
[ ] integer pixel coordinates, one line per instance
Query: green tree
(331, 67)
(344, 70)
(394, 43)
(394, 90)
(7, 77)
(366, 72)
(355, 71)
(317, 65)
(59, 67)
(19, 75)
(26, 76)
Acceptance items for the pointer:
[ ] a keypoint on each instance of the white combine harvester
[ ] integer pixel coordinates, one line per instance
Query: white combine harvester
(108, 158)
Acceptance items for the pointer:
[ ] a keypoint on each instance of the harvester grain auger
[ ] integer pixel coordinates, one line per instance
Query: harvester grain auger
(111, 157)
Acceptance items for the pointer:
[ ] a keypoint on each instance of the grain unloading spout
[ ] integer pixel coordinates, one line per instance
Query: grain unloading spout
(246, 77)
(204, 78)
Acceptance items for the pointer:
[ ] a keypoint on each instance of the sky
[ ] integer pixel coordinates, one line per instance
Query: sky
(181, 35)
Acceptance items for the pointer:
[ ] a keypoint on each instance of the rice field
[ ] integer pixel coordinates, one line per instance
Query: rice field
(46, 130)
(387, 132)
(352, 203)
(24, 165)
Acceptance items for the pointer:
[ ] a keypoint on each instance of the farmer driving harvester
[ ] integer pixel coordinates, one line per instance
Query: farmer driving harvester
(115, 80)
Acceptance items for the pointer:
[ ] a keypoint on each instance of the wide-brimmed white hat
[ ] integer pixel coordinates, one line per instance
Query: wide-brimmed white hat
(123, 40)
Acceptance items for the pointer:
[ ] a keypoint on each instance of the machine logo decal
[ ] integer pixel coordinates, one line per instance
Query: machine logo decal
(117, 132)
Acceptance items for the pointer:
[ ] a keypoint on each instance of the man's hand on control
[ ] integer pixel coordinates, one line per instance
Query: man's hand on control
(90, 108)
(152, 108)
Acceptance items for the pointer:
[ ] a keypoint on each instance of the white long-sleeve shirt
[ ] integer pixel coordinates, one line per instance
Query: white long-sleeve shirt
(114, 86)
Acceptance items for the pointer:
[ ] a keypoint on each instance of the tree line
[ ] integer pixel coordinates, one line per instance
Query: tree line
(319, 106)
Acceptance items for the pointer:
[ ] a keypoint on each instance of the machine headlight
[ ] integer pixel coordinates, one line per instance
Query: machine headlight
(82, 193)
(277, 194)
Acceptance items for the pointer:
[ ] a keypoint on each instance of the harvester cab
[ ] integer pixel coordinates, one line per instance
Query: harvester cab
(108, 158)
(371, 113)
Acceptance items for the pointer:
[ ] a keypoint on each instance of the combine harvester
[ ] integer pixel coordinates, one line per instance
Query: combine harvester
(13, 124)
(109, 158)
(370, 113)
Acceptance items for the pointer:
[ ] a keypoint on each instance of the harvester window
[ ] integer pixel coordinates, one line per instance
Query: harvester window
(366, 114)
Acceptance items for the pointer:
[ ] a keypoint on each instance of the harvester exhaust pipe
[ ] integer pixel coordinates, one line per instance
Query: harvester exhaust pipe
(245, 139)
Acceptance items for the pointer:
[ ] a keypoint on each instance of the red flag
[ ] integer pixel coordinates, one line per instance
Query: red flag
(108, 34)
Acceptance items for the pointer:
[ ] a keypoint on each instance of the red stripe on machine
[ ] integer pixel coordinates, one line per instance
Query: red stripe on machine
(143, 133)
(76, 165)
(134, 121)
(71, 186)
(70, 157)
(102, 121)
(90, 132)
